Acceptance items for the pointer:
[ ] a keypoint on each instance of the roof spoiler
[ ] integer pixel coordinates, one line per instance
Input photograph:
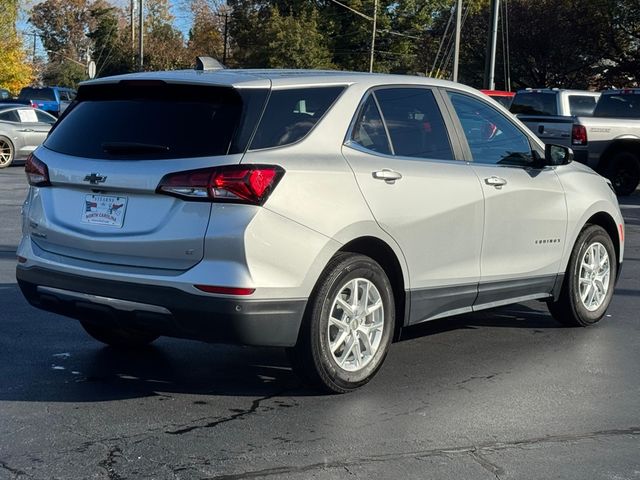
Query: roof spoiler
(208, 63)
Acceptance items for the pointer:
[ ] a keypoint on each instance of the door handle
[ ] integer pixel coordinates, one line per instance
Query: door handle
(26, 130)
(387, 175)
(494, 181)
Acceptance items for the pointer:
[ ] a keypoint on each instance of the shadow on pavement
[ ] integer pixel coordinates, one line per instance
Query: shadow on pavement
(514, 316)
(48, 358)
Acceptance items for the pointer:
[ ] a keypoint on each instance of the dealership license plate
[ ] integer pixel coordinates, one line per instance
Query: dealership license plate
(104, 210)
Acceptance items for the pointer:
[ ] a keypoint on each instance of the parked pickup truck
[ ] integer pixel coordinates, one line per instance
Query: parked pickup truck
(608, 140)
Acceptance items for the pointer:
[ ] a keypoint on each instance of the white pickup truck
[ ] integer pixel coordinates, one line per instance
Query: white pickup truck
(608, 140)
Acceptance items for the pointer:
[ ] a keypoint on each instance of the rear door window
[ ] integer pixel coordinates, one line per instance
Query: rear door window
(291, 114)
(535, 103)
(414, 122)
(581, 105)
(139, 120)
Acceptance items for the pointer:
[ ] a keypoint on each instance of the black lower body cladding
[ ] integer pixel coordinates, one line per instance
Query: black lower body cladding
(176, 313)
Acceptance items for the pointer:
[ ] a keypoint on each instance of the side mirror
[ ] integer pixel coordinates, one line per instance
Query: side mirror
(557, 155)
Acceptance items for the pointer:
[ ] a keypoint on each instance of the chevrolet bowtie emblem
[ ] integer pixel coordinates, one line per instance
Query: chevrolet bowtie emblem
(95, 179)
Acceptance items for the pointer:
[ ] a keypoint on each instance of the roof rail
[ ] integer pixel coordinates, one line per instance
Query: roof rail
(208, 63)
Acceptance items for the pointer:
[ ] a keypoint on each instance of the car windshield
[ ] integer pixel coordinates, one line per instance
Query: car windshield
(623, 105)
(139, 120)
(46, 94)
(535, 103)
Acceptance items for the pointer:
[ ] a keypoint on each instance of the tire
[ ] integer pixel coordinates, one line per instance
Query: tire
(119, 337)
(624, 173)
(576, 308)
(360, 342)
(7, 152)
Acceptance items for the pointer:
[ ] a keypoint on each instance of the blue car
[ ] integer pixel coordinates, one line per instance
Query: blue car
(53, 100)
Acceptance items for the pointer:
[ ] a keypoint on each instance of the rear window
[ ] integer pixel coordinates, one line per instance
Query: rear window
(291, 114)
(581, 105)
(503, 100)
(43, 94)
(624, 105)
(535, 103)
(154, 120)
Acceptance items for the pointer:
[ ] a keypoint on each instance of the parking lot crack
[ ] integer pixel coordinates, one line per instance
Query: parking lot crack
(255, 405)
(108, 464)
(15, 472)
(492, 468)
(475, 451)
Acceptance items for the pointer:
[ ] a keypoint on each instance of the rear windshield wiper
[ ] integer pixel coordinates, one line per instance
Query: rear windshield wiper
(123, 148)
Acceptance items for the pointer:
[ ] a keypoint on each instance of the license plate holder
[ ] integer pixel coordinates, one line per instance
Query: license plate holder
(107, 210)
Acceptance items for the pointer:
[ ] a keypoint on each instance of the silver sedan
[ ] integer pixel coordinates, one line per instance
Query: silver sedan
(22, 129)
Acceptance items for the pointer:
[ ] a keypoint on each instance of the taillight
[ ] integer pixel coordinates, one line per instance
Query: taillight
(578, 135)
(37, 172)
(232, 183)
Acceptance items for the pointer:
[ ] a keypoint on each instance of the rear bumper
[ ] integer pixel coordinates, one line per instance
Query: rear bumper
(164, 310)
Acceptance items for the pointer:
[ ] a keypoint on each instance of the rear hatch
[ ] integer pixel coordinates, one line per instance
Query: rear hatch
(107, 156)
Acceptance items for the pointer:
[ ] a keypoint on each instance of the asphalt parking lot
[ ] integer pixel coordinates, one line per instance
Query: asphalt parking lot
(506, 394)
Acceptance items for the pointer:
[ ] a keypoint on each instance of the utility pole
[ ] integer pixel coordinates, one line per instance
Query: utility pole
(35, 36)
(141, 36)
(456, 46)
(133, 25)
(490, 65)
(373, 34)
(225, 35)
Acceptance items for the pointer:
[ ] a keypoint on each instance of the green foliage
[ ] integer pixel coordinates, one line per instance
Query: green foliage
(295, 42)
(110, 47)
(64, 73)
(264, 36)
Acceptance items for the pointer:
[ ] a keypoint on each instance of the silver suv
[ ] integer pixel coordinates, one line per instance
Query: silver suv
(317, 211)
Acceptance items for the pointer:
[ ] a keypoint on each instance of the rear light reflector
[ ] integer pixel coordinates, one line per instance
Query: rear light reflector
(37, 172)
(21, 259)
(578, 135)
(225, 290)
(250, 184)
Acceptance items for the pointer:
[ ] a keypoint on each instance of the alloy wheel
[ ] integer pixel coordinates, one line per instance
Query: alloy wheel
(6, 155)
(356, 324)
(594, 276)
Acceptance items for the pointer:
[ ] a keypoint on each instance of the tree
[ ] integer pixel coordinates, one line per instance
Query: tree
(111, 48)
(63, 26)
(15, 72)
(164, 44)
(205, 37)
(295, 42)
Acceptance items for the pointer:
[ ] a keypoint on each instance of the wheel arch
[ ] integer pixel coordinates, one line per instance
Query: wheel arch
(628, 144)
(604, 220)
(386, 257)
